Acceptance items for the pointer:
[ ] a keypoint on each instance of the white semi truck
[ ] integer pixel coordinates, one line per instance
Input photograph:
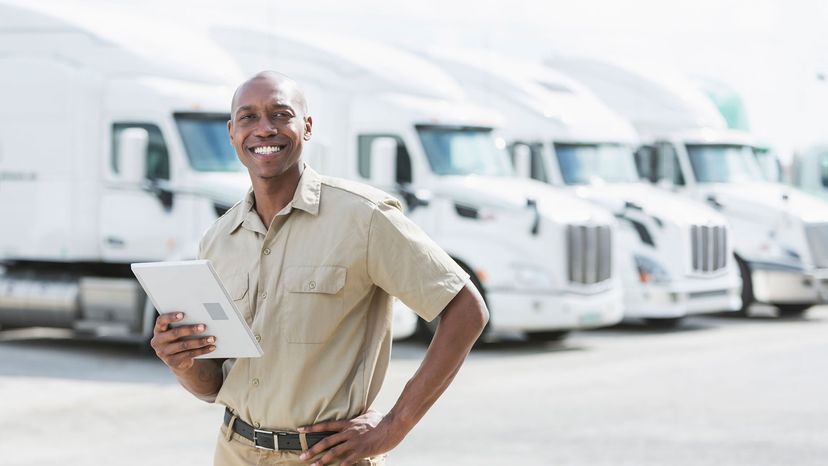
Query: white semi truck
(542, 259)
(113, 149)
(780, 234)
(674, 254)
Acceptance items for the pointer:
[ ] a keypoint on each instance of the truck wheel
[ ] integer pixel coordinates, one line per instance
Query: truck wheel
(427, 329)
(792, 310)
(549, 335)
(747, 287)
(664, 323)
(144, 347)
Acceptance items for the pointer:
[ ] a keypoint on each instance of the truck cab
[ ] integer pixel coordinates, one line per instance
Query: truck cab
(102, 165)
(779, 233)
(541, 258)
(673, 253)
(115, 151)
(783, 232)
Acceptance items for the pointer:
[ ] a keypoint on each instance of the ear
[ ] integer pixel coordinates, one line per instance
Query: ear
(308, 128)
(230, 130)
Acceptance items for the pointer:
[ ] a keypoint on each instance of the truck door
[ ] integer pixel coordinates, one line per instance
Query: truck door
(402, 186)
(534, 165)
(139, 222)
(402, 173)
(660, 165)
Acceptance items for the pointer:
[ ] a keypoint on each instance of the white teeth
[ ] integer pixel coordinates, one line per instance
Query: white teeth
(266, 150)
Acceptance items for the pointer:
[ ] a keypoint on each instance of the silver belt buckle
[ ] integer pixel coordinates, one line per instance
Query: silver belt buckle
(256, 433)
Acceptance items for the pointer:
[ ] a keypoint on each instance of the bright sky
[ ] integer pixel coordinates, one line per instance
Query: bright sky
(770, 51)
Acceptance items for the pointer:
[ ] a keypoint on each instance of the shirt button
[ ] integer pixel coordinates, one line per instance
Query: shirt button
(266, 252)
(255, 382)
(258, 338)
(312, 285)
(256, 425)
(264, 294)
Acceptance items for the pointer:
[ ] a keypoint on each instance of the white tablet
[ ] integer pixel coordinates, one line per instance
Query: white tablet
(192, 287)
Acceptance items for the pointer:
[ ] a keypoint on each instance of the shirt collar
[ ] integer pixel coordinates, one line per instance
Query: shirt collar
(308, 192)
(305, 198)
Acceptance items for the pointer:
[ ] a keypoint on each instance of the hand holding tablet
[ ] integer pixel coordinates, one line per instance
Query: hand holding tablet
(180, 346)
(194, 289)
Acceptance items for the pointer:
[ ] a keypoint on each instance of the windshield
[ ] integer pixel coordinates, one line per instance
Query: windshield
(723, 163)
(207, 144)
(591, 163)
(464, 151)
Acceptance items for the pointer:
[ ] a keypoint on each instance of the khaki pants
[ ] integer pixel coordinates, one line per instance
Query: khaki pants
(235, 450)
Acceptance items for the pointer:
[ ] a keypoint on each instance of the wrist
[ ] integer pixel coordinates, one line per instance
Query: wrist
(398, 423)
(202, 378)
(186, 374)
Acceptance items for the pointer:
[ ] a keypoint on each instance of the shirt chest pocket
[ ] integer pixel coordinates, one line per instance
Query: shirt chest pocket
(237, 285)
(314, 303)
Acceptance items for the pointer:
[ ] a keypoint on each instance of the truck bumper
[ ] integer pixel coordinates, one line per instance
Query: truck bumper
(697, 296)
(820, 278)
(776, 284)
(512, 310)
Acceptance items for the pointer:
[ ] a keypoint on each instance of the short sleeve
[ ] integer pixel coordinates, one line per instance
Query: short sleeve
(406, 263)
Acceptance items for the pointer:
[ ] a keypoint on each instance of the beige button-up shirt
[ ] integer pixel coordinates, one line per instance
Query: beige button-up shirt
(316, 287)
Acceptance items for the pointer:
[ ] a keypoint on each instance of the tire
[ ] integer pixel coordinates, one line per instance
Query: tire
(547, 336)
(664, 323)
(747, 287)
(427, 329)
(792, 310)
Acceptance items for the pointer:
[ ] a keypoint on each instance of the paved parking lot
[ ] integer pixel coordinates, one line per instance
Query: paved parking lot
(719, 391)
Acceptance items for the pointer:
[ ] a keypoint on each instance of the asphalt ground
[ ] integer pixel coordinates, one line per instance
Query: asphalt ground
(716, 391)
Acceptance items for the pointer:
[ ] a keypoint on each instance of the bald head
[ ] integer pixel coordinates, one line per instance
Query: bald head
(269, 127)
(281, 83)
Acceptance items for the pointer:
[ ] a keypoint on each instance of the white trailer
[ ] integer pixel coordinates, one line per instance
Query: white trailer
(113, 149)
(780, 234)
(541, 258)
(673, 253)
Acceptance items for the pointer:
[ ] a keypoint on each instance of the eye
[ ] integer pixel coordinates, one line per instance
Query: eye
(282, 115)
(247, 116)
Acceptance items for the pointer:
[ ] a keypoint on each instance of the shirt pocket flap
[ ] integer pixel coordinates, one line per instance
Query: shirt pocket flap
(315, 279)
(236, 285)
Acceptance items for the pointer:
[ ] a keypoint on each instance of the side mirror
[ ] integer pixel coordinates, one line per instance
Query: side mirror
(132, 154)
(384, 162)
(522, 160)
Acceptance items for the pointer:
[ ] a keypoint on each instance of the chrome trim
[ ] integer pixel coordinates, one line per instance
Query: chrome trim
(708, 248)
(589, 253)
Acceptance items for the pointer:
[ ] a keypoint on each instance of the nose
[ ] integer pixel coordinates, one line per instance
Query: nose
(265, 128)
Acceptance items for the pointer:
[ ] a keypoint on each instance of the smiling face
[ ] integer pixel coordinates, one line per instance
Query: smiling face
(268, 127)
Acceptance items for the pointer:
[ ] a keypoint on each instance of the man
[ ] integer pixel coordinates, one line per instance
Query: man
(312, 262)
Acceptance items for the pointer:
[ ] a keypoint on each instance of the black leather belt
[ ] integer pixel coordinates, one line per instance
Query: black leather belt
(272, 440)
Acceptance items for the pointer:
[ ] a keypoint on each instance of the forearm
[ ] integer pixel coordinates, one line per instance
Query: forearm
(460, 325)
(203, 379)
(370, 434)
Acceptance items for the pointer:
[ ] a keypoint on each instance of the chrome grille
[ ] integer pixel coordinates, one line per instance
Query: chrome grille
(589, 249)
(818, 243)
(708, 248)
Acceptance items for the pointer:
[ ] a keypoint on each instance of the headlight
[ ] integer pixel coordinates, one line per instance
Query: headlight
(650, 271)
(532, 276)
